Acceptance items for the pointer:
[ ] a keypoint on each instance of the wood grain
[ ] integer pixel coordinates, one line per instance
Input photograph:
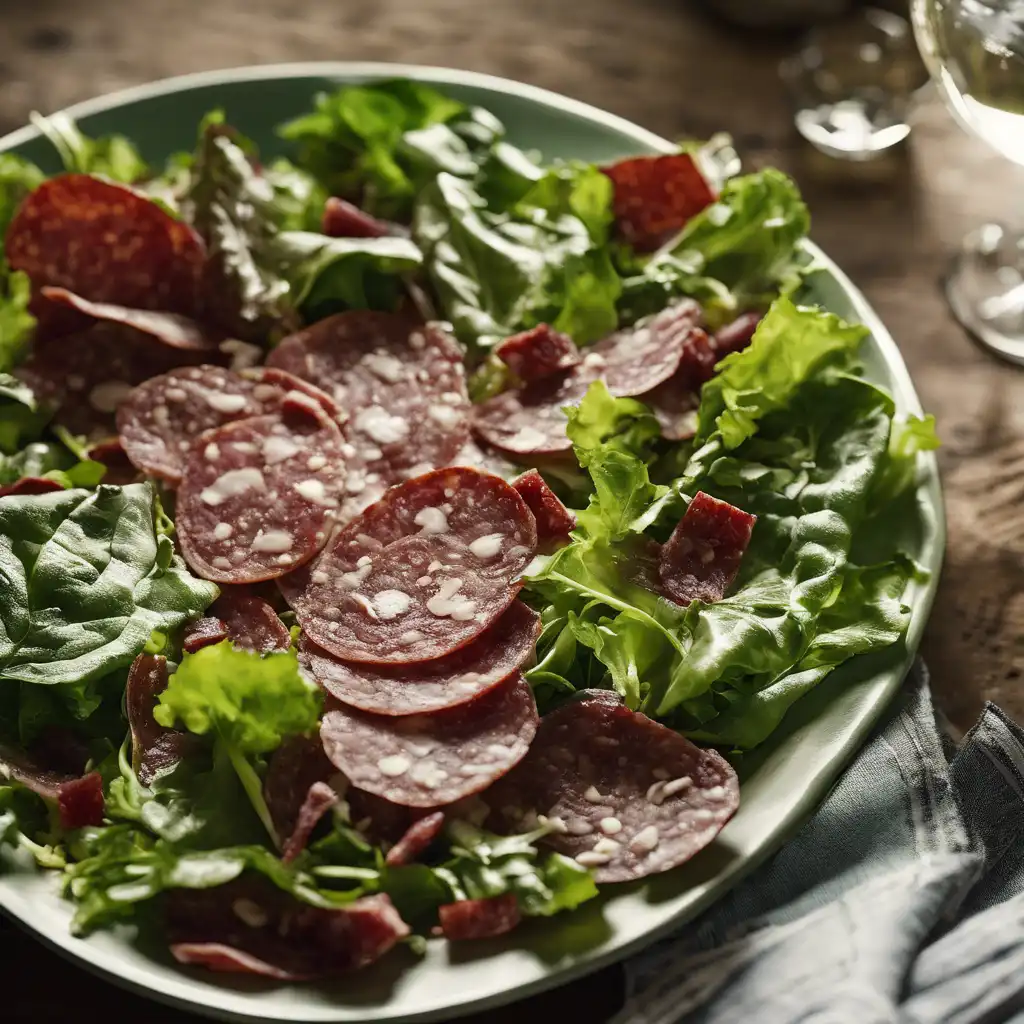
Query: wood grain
(662, 65)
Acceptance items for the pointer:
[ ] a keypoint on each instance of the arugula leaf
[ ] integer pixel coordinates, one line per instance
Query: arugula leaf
(112, 156)
(497, 273)
(88, 580)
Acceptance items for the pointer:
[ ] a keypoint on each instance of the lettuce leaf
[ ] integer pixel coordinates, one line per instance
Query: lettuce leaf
(112, 156)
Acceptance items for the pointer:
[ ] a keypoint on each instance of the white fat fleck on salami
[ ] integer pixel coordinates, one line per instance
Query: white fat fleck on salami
(402, 384)
(470, 746)
(314, 490)
(488, 545)
(229, 404)
(429, 686)
(277, 448)
(626, 815)
(464, 592)
(390, 604)
(243, 355)
(240, 517)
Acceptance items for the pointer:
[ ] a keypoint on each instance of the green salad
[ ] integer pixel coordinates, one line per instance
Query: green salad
(407, 536)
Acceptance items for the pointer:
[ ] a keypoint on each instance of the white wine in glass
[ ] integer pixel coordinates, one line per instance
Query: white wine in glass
(974, 50)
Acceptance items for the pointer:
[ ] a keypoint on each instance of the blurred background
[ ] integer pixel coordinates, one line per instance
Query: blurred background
(680, 68)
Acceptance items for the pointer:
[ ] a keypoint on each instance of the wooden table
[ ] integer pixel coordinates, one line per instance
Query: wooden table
(660, 64)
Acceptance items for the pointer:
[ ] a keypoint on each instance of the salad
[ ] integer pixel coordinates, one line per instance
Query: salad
(408, 537)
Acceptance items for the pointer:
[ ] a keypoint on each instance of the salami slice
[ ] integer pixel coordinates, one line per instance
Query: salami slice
(155, 749)
(253, 927)
(403, 385)
(625, 795)
(736, 336)
(250, 622)
(202, 633)
(79, 800)
(479, 919)
(485, 459)
(417, 839)
(430, 685)
(171, 329)
(29, 486)
(294, 769)
(345, 220)
(163, 417)
(554, 521)
(530, 421)
(257, 497)
(379, 821)
(319, 800)
(422, 572)
(655, 196)
(119, 469)
(675, 407)
(433, 760)
(538, 353)
(106, 243)
(701, 558)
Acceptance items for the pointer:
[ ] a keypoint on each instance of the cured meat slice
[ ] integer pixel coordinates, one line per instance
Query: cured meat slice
(402, 384)
(86, 376)
(202, 633)
(295, 768)
(479, 919)
(433, 760)
(531, 422)
(30, 485)
(675, 407)
(736, 336)
(488, 460)
(250, 622)
(251, 926)
(422, 572)
(80, 801)
(554, 521)
(258, 496)
(701, 558)
(417, 838)
(655, 196)
(163, 417)
(430, 685)
(380, 821)
(155, 749)
(171, 329)
(625, 795)
(342, 219)
(538, 353)
(106, 243)
(320, 798)
(111, 454)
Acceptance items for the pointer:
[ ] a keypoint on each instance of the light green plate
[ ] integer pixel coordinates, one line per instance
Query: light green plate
(793, 773)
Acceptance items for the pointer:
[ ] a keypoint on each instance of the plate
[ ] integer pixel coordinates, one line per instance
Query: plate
(782, 785)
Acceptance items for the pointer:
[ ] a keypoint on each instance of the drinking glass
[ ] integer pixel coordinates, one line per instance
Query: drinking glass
(974, 50)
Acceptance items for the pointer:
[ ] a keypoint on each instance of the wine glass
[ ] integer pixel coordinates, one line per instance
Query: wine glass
(974, 50)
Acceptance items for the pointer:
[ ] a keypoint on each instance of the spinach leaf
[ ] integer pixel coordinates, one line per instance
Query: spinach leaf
(87, 581)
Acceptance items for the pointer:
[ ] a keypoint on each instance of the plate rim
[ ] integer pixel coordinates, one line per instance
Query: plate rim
(928, 482)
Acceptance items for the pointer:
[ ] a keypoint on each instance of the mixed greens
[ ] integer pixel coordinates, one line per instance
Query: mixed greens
(487, 237)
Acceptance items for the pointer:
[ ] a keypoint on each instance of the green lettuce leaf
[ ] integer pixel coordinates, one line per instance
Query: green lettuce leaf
(18, 177)
(112, 156)
(88, 580)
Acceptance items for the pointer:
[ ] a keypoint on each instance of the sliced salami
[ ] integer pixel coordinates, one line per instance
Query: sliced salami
(250, 622)
(162, 418)
(155, 749)
(624, 795)
(29, 486)
(202, 633)
(417, 839)
(736, 336)
(79, 800)
(119, 469)
(675, 406)
(655, 196)
(258, 496)
(479, 919)
(293, 770)
(320, 798)
(402, 384)
(433, 760)
(554, 521)
(430, 685)
(342, 219)
(701, 558)
(106, 243)
(171, 329)
(251, 926)
(538, 353)
(530, 421)
(486, 459)
(379, 821)
(422, 572)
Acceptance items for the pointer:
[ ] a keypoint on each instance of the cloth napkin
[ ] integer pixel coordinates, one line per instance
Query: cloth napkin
(901, 901)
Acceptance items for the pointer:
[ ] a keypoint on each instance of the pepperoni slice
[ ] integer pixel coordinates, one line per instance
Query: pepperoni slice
(538, 353)
(628, 797)
(403, 385)
(106, 243)
(531, 422)
(702, 556)
(250, 622)
(417, 838)
(430, 685)
(171, 329)
(554, 521)
(257, 497)
(161, 419)
(479, 919)
(433, 760)
(251, 926)
(655, 196)
(422, 572)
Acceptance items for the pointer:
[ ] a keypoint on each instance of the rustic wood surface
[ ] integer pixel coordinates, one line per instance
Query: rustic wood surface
(661, 64)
